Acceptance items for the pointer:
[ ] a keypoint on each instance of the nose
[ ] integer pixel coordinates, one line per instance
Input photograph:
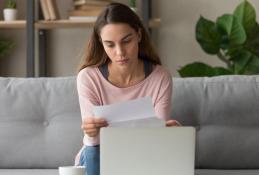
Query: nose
(120, 51)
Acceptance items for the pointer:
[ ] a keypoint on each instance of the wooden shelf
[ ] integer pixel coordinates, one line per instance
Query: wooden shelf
(18, 24)
(153, 23)
(65, 23)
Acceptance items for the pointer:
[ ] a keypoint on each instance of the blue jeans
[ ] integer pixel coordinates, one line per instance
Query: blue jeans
(90, 158)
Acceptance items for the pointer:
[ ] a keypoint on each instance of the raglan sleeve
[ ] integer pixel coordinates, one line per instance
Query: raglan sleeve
(163, 103)
(88, 98)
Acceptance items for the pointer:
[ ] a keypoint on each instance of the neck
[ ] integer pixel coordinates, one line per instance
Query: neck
(126, 76)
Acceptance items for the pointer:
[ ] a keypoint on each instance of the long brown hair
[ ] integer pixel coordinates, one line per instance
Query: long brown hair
(117, 13)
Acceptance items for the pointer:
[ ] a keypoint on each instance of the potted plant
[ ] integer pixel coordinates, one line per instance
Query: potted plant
(234, 38)
(5, 46)
(132, 4)
(10, 11)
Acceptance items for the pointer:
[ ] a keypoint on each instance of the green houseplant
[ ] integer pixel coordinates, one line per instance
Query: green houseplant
(234, 38)
(132, 5)
(11, 4)
(10, 11)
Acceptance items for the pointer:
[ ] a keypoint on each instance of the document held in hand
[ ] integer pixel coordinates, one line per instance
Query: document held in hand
(132, 113)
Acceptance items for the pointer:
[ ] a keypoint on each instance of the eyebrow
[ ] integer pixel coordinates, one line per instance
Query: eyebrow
(128, 35)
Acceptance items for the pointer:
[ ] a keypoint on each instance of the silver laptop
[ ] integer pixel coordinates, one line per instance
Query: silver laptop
(147, 151)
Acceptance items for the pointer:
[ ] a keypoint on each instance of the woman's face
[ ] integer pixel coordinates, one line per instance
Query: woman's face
(120, 42)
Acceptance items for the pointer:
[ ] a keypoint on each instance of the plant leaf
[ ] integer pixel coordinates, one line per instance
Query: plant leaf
(246, 15)
(221, 71)
(253, 41)
(199, 69)
(233, 28)
(207, 36)
(253, 65)
(241, 60)
(5, 46)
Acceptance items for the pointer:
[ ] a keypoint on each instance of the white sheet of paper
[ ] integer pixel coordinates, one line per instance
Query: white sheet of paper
(145, 122)
(133, 113)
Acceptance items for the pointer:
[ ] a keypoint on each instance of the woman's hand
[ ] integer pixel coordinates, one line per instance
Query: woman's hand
(91, 126)
(170, 123)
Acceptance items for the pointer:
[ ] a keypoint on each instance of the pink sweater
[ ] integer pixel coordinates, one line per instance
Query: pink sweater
(94, 89)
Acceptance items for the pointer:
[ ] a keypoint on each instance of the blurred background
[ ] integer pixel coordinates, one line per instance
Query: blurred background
(174, 38)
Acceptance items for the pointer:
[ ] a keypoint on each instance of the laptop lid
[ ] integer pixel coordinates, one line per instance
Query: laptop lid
(147, 151)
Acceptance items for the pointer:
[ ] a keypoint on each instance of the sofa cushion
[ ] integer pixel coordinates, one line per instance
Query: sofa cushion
(55, 172)
(225, 111)
(29, 172)
(39, 122)
(225, 172)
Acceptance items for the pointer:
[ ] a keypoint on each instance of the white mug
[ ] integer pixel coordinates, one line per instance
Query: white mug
(72, 170)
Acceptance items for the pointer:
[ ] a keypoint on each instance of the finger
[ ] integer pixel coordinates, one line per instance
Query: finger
(92, 126)
(171, 123)
(92, 133)
(99, 120)
(101, 123)
(89, 126)
(91, 120)
(91, 130)
(88, 120)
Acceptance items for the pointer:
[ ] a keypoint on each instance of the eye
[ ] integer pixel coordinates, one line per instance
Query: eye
(126, 41)
(110, 45)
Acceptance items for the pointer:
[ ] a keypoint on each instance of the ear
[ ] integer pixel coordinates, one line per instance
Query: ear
(139, 34)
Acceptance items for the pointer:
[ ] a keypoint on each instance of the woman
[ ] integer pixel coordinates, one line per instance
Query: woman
(120, 65)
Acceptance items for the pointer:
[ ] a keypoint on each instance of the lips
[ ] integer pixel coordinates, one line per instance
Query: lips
(122, 61)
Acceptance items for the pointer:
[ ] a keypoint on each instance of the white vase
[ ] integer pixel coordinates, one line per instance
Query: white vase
(10, 14)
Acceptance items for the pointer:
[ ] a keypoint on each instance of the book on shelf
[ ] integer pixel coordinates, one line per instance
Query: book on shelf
(53, 9)
(88, 7)
(49, 9)
(92, 12)
(83, 18)
(92, 2)
(45, 10)
(87, 10)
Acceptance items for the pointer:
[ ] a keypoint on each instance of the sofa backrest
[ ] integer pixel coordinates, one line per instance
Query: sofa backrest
(39, 122)
(225, 111)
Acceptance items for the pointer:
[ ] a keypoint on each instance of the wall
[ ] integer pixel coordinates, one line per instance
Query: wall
(174, 39)
(176, 36)
(66, 46)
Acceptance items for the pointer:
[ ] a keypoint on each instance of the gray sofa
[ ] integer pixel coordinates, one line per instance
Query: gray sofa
(40, 123)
